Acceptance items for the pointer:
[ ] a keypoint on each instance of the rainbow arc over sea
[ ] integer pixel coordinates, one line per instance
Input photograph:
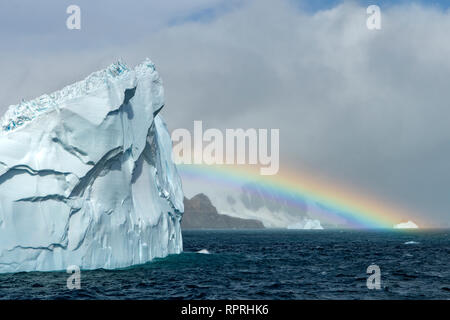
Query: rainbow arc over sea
(338, 203)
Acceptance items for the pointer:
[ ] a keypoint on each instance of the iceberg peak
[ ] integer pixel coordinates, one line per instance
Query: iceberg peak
(24, 112)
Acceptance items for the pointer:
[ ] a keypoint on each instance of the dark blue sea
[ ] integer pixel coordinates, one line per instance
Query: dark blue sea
(264, 264)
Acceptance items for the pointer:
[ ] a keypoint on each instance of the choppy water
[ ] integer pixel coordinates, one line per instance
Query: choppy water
(328, 264)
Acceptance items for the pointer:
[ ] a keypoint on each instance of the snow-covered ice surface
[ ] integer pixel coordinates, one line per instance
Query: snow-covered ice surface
(87, 178)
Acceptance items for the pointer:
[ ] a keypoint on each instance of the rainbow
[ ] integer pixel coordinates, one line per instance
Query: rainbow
(339, 204)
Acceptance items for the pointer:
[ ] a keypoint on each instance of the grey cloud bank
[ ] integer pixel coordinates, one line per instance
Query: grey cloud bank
(364, 108)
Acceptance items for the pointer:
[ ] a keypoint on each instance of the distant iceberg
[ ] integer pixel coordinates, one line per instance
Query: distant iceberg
(307, 224)
(406, 225)
(257, 202)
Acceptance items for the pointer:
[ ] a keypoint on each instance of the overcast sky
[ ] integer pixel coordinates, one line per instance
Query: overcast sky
(369, 109)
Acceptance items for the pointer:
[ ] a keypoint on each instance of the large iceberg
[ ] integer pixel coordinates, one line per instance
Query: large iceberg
(87, 178)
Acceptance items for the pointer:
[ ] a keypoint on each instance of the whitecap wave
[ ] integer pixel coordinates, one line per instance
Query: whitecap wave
(411, 242)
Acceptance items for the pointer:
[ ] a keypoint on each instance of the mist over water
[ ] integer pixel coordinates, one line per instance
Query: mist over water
(266, 264)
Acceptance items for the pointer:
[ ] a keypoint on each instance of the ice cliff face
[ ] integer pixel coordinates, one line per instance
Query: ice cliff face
(87, 178)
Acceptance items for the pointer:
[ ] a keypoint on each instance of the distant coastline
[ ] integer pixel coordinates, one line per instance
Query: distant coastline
(199, 213)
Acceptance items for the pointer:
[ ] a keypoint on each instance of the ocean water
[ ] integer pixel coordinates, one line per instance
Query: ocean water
(266, 264)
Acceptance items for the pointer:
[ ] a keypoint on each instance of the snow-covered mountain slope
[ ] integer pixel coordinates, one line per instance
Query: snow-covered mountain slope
(254, 201)
(87, 178)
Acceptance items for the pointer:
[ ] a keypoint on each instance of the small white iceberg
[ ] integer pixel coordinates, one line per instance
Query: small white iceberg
(406, 225)
(411, 242)
(306, 224)
(203, 251)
